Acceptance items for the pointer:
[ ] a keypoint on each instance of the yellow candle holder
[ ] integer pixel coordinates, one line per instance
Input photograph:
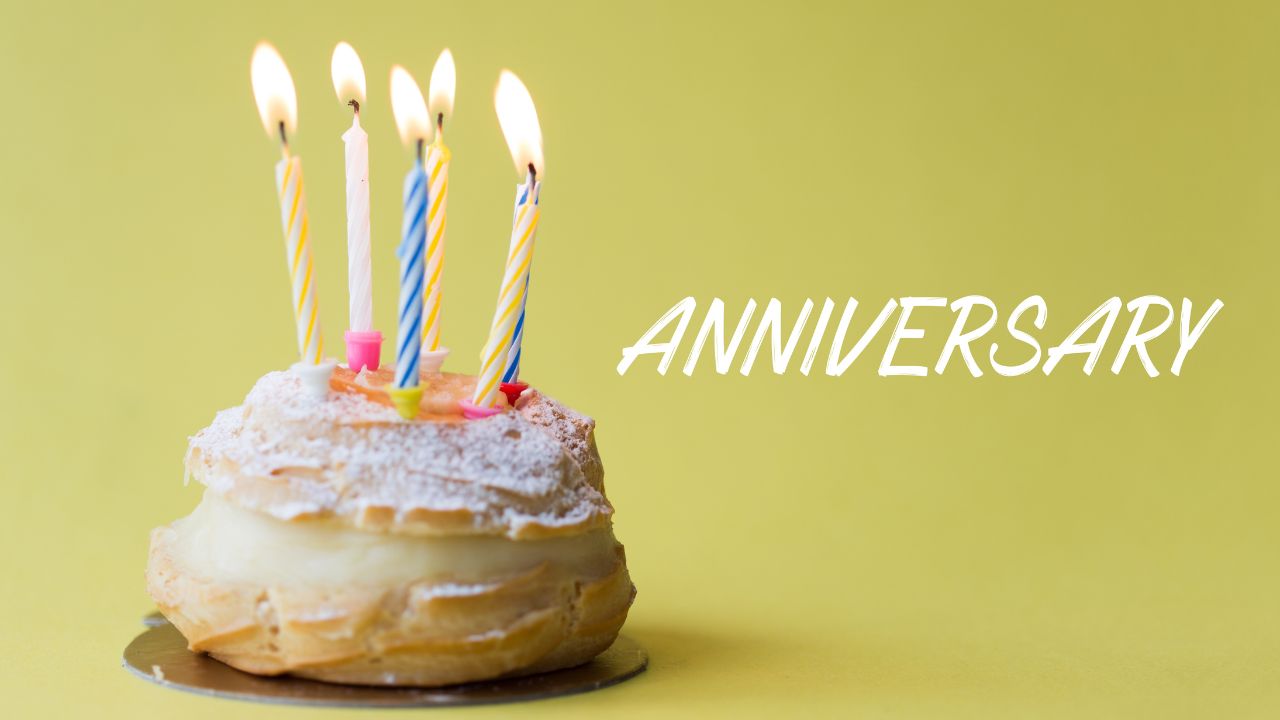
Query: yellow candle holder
(407, 400)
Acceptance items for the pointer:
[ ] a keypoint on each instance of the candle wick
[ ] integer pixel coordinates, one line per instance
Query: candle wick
(421, 142)
(284, 140)
(533, 175)
(355, 105)
(439, 128)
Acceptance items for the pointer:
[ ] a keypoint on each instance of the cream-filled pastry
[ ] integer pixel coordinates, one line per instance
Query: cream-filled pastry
(338, 542)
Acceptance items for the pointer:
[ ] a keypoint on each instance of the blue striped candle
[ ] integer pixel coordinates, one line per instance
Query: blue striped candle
(512, 372)
(413, 244)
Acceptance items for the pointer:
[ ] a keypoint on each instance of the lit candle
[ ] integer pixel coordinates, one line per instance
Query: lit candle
(511, 384)
(364, 344)
(519, 121)
(278, 107)
(414, 123)
(440, 92)
(511, 375)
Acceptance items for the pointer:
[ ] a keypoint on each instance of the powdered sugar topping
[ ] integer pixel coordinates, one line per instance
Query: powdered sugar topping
(350, 458)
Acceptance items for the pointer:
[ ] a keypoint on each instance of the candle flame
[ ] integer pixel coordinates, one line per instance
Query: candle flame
(444, 80)
(273, 90)
(519, 120)
(348, 74)
(408, 107)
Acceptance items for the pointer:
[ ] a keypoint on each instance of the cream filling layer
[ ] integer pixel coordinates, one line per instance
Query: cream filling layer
(227, 543)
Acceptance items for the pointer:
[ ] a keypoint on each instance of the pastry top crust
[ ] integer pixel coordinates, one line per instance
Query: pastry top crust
(531, 471)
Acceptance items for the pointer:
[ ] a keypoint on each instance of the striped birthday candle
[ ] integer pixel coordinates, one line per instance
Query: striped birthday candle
(438, 179)
(512, 372)
(411, 253)
(293, 216)
(515, 283)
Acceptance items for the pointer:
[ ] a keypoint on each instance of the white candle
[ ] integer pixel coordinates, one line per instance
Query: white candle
(349, 83)
(359, 270)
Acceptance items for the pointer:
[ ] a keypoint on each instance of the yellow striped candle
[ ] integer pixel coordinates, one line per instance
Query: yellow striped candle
(519, 121)
(293, 216)
(278, 106)
(515, 283)
(438, 180)
(441, 91)
(512, 373)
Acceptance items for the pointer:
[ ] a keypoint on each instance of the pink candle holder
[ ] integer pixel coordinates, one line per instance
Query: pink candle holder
(475, 412)
(512, 390)
(364, 349)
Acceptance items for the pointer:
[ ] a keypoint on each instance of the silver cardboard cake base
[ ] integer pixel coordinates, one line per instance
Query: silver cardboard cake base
(160, 655)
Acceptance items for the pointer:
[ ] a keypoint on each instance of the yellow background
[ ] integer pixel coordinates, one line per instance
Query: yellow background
(860, 546)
